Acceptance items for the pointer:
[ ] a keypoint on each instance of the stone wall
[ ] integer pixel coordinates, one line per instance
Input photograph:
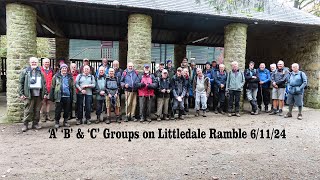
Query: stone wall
(292, 45)
(179, 53)
(62, 49)
(235, 41)
(139, 40)
(21, 44)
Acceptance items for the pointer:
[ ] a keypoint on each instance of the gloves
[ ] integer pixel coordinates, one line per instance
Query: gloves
(143, 85)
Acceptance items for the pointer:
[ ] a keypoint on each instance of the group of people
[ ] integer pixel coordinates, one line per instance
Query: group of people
(171, 90)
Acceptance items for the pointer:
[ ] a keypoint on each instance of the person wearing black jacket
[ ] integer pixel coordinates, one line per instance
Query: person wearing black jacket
(164, 89)
(179, 92)
(252, 80)
(220, 79)
(279, 79)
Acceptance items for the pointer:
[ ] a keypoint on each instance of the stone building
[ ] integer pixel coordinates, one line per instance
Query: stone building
(279, 32)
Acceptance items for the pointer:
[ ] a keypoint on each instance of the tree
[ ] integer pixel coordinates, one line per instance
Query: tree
(234, 6)
(311, 6)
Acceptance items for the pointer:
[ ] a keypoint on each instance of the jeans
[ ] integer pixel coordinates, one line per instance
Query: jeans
(252, 94)
(88, 102)
(65, 104)
(234, 97)
(178, 104)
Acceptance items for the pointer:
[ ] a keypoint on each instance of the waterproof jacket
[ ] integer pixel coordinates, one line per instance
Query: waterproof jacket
(178, 86)
(24, 81)
(48, 76)
(297, 82)
(206, 85)
(220, 78)
(251, 82)
(100, 86)
(106, 70)
(209, 74)
(235, 80)
(264, 76)
(163, 84)
(150, 83)
(57, 88)
(112, 85)
(280, 77)
(83, 79)
(130, 78)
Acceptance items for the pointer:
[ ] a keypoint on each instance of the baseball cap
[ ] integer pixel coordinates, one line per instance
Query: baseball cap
(146, 65)
(164, 71)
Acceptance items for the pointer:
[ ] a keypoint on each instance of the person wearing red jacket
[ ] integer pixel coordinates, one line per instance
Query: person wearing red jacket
(47, 72)
(146, 89)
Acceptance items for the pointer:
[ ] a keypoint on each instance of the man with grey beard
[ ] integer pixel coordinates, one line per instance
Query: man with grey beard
(32, 91)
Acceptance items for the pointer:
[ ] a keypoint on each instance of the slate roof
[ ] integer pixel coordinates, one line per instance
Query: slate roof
(277, 12)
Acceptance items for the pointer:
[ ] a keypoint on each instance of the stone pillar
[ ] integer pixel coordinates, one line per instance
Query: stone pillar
(1, 85)
(139, 40)
(235, 43)
(309, 60)
(62, 49)
(21, 44)
(179, 53)
(123, 53)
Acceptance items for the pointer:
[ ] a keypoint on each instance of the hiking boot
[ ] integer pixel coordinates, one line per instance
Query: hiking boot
(36, 126)
(299, 117)
(256, 112)
(181, 117)
(274, 112)
(98, 120)
(24, 127)
(126, 119)
(142, 119)
(108, 120)
(78, 122)
(266, 109)
(165, 117)
(56, 125)
(158, 118)
(259, 107)
(88, 121)
(134, 119)
(204, 114)
(216, 112)
(65, 124)
(252, 112)
(223, 113)
(149, 119)
(197, 113)
(288, 115)
(238, 114)
(229, 114)
(118, 119)
(280, 112)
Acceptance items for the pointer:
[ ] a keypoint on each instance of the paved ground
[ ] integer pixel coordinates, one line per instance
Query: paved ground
(33, 155)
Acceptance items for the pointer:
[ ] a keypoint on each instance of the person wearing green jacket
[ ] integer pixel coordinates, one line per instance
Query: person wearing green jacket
(63, 93)
(32, 90)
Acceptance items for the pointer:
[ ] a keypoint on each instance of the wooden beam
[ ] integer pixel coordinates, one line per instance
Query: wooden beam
(56, 30)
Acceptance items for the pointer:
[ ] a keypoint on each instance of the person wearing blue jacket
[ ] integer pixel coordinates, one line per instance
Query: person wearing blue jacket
(129, 82)
(263, 90)
(208, 72)
(297, 81)
(105, 65)
(220, 79)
